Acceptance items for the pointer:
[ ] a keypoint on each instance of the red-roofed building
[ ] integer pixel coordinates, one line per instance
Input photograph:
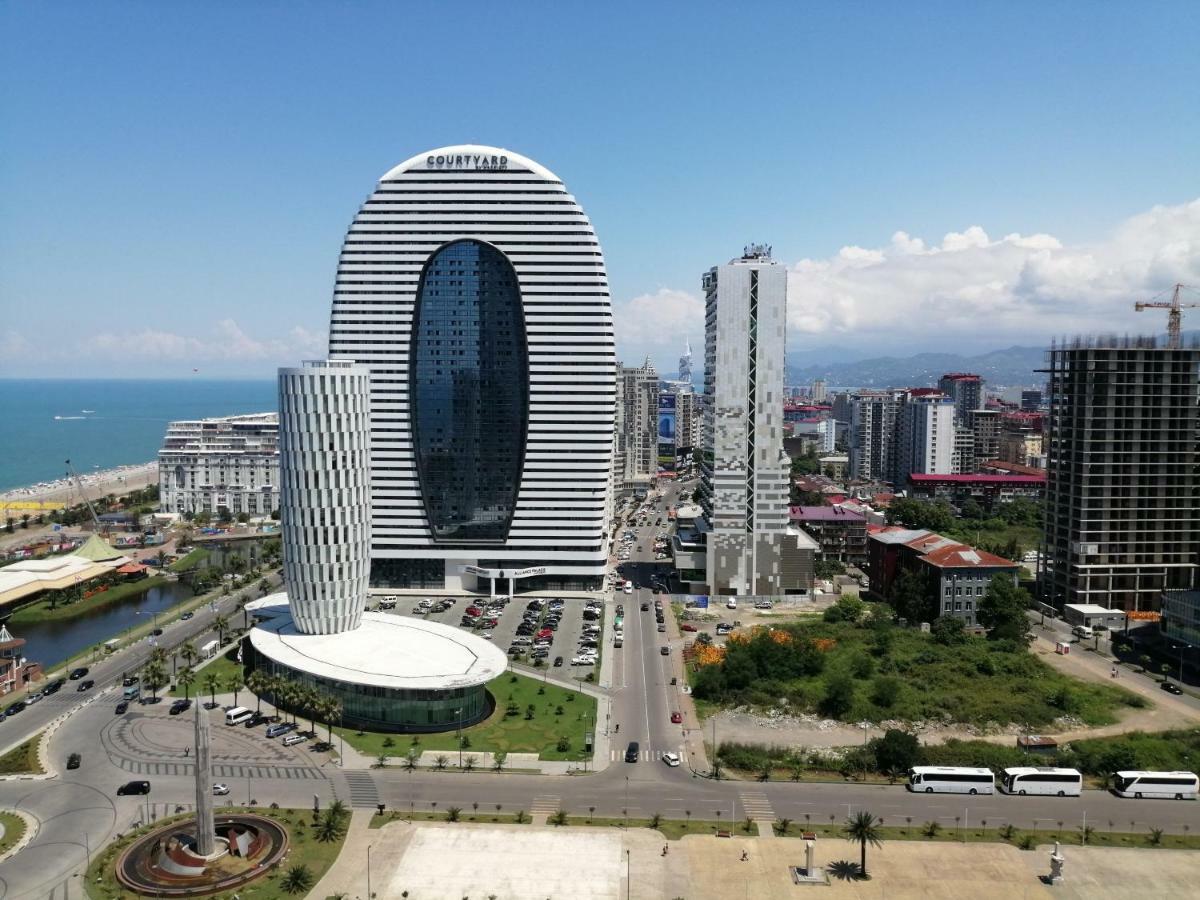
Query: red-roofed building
(962, 576)
(958, 573)
(985, 488)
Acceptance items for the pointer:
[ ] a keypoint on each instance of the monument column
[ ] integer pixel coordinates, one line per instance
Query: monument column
(205, 828)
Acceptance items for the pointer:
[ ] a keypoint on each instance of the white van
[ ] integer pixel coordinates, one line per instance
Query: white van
(731, 604)
(238, 715)
(1083, 631)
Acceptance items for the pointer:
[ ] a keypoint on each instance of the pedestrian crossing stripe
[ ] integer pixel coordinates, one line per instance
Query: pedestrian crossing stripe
(647, 755)
(757, 805)
(545, 805)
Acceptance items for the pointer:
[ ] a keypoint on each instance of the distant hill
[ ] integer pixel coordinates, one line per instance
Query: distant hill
(1011, 366)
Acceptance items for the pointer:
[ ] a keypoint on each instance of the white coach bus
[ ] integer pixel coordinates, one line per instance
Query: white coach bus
(1165, 785)
(951, 780)
(1042, 780)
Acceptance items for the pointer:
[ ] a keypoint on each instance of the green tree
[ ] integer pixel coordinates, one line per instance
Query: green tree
(258, 683)
(847, 609)
(839, 696)
(235, 684)
(1003, 610)
(914, 595)
(863, 828)
(186, 677)
(188, 653)
(154, 676)
(885, 690)
(896, 751)
(211, 682)
(948, 630)
(221, 624)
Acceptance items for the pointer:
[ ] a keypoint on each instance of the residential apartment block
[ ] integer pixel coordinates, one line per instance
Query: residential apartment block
(227, 463)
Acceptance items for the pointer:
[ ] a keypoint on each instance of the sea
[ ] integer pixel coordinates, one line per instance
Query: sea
(99, 424)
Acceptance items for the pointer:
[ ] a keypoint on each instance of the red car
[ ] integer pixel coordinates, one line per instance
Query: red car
(687, 626)
(545, 634)
(676, 718)
(474, 611)
(490, 623)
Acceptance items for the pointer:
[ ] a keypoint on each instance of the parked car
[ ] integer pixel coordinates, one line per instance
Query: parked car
(54, 687)
(122, 707)
(186, 616)
(76, 674)
(220, 790)
(156, 632)
(665, 651)
(280, 728)
(688, 626)
(85, 686)
(74, 760)
(15, 708)
(33, 698)
(558, 661)
(676, 718)
(180, 706)
(292, 739)
(1171, 688)
(133, 787)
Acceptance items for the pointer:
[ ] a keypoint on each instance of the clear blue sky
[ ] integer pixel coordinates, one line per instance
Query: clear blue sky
(170, 166)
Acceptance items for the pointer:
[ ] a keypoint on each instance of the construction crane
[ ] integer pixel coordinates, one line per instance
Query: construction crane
(1174, 317)
(79, 486)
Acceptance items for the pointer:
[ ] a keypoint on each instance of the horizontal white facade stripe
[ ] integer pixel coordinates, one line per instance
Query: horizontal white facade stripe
(526, 213)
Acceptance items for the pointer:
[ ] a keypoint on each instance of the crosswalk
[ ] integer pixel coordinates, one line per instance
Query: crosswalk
(757, 806)
(545, 805)
(139, 767)
(616, 755)
(363, 791)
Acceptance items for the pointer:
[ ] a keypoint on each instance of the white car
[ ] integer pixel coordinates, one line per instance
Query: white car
(486, 635)
(583, 660)
(671, 759)
(220, 790)
(762, 604)
(629, 587)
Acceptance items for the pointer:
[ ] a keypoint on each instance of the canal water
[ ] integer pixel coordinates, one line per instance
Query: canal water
(54, 642)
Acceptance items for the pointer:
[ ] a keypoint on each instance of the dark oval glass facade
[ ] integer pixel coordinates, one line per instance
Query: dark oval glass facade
(469, 392)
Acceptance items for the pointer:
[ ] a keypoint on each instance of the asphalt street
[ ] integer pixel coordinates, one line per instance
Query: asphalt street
(79, 810)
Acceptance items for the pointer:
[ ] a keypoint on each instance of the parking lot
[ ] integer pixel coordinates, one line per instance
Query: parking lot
(531, 629)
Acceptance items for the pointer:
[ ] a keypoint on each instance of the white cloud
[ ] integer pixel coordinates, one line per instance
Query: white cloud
(657, 324)
(228, 343)
(1019, 288)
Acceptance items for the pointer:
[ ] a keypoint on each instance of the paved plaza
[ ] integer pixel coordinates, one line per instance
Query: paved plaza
(443, 861)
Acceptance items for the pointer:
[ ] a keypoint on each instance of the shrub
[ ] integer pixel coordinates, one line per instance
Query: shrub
(563, 744)
(895, 751)
(884, 691)
(839, 696)
(931, 829)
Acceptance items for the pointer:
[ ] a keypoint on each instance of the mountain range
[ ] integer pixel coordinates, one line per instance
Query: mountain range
(1012, 366)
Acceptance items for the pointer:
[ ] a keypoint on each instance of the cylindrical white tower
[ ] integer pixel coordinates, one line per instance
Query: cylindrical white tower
(325, 492)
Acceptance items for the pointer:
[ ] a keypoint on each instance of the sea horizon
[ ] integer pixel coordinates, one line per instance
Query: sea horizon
(102, 423)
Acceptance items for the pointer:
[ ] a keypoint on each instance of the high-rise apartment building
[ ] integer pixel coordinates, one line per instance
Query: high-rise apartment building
(985, 427)
(966, 392)
(819, 391)
(227, 464)
(637, 426)
(873, 421)
(745, 490)
(689, 420)
(925, 439)
(473, 287)
(1122, 522)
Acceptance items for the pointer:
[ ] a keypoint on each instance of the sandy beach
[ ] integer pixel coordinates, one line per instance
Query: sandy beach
(116, 481)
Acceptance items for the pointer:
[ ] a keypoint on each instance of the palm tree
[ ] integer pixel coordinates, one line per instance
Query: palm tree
(864, 828)
(211, 682)
(257, 683)
(297, 880)
(331, 712)
(235, 683)
(158, 655)
(189, 654)
(221, 624)
(154, 676)
(186, 677)
(310, 701)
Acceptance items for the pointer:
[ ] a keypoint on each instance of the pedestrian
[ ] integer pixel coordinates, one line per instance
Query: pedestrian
(745, 856)
(187, 751)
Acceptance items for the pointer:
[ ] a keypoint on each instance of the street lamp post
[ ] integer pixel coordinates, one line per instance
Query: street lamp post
(1181, 648)
(369, 894)
(458, 733)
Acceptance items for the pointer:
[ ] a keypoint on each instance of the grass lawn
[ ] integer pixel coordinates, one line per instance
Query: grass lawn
(1028, 538)
(901, 674)
(305, 850)
(14, 830)
(22, 760)
(224, 669)
(500, 731)
(190, 559)
(41, 611)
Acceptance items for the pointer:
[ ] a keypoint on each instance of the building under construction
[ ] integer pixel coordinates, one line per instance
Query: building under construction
(1122, 491)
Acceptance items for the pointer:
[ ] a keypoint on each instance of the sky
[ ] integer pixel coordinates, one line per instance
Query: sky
(176, 179)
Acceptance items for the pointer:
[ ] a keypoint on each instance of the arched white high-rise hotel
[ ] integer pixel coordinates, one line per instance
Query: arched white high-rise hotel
(473, 288)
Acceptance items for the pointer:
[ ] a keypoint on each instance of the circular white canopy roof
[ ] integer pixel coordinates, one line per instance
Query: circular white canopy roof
(384, 651)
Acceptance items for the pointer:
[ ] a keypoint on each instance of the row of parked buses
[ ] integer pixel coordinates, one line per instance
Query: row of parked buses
(1052, 781)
